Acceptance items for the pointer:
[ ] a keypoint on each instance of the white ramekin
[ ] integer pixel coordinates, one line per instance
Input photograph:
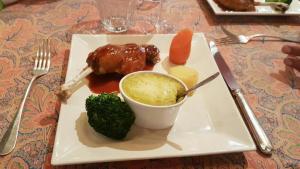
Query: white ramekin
(152, 117)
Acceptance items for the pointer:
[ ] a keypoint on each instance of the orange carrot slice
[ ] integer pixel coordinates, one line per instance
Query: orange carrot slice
(181, 47)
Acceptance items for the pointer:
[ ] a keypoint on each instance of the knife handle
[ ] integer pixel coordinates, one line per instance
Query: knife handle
(260, 136)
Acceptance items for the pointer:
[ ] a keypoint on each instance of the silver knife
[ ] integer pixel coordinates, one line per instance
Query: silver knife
(260, 137)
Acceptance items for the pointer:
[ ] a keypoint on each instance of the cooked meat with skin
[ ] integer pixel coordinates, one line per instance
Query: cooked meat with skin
(122, 59)
(236, 5)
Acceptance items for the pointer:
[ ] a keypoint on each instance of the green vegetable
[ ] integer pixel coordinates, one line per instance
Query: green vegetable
(284, 1)
(108, 115)
(1, 5)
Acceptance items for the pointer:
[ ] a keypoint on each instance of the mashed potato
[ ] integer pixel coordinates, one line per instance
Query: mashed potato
(152, 89)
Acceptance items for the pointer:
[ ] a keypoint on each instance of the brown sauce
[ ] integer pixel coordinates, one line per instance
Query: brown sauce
(107, 83)
(104, 83)
(148, 67)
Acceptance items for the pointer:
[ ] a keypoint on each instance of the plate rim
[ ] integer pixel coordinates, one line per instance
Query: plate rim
(213, 5)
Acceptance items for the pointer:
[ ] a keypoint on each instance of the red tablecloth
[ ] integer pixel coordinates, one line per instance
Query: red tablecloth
(257, 66)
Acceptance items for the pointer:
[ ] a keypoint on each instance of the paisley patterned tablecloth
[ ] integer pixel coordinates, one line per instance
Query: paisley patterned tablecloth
(257, 66)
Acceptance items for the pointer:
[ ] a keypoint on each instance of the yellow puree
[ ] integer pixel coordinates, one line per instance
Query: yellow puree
(152, 89)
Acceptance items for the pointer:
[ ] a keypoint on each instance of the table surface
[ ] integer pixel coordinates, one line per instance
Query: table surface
(257, 66)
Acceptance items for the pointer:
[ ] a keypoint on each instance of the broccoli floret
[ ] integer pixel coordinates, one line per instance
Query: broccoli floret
(108, 115)
(283, 1)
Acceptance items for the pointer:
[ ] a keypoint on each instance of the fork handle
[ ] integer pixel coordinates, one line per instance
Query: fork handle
(9, 140)
(274, 37)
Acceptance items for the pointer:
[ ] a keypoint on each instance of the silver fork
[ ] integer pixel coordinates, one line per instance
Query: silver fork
(236, 39)
(41, 67)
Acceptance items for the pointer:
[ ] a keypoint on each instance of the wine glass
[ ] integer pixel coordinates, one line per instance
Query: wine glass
(113, 14)
(178, 15)
(144, 15)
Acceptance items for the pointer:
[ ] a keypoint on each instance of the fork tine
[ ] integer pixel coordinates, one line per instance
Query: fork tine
(49, 54)
(220, 43)
(44, 58)
(225, 40)
(37, 58)
(231, 43)
(41, 55)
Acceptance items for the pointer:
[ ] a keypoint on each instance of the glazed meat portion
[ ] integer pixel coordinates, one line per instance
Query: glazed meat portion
(122, 59)
(236, 5)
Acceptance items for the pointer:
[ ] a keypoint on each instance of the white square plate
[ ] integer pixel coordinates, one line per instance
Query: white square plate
(208, 122)
(294, 9)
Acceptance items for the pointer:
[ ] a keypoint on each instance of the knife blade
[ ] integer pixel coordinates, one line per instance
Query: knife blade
(259, 135)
